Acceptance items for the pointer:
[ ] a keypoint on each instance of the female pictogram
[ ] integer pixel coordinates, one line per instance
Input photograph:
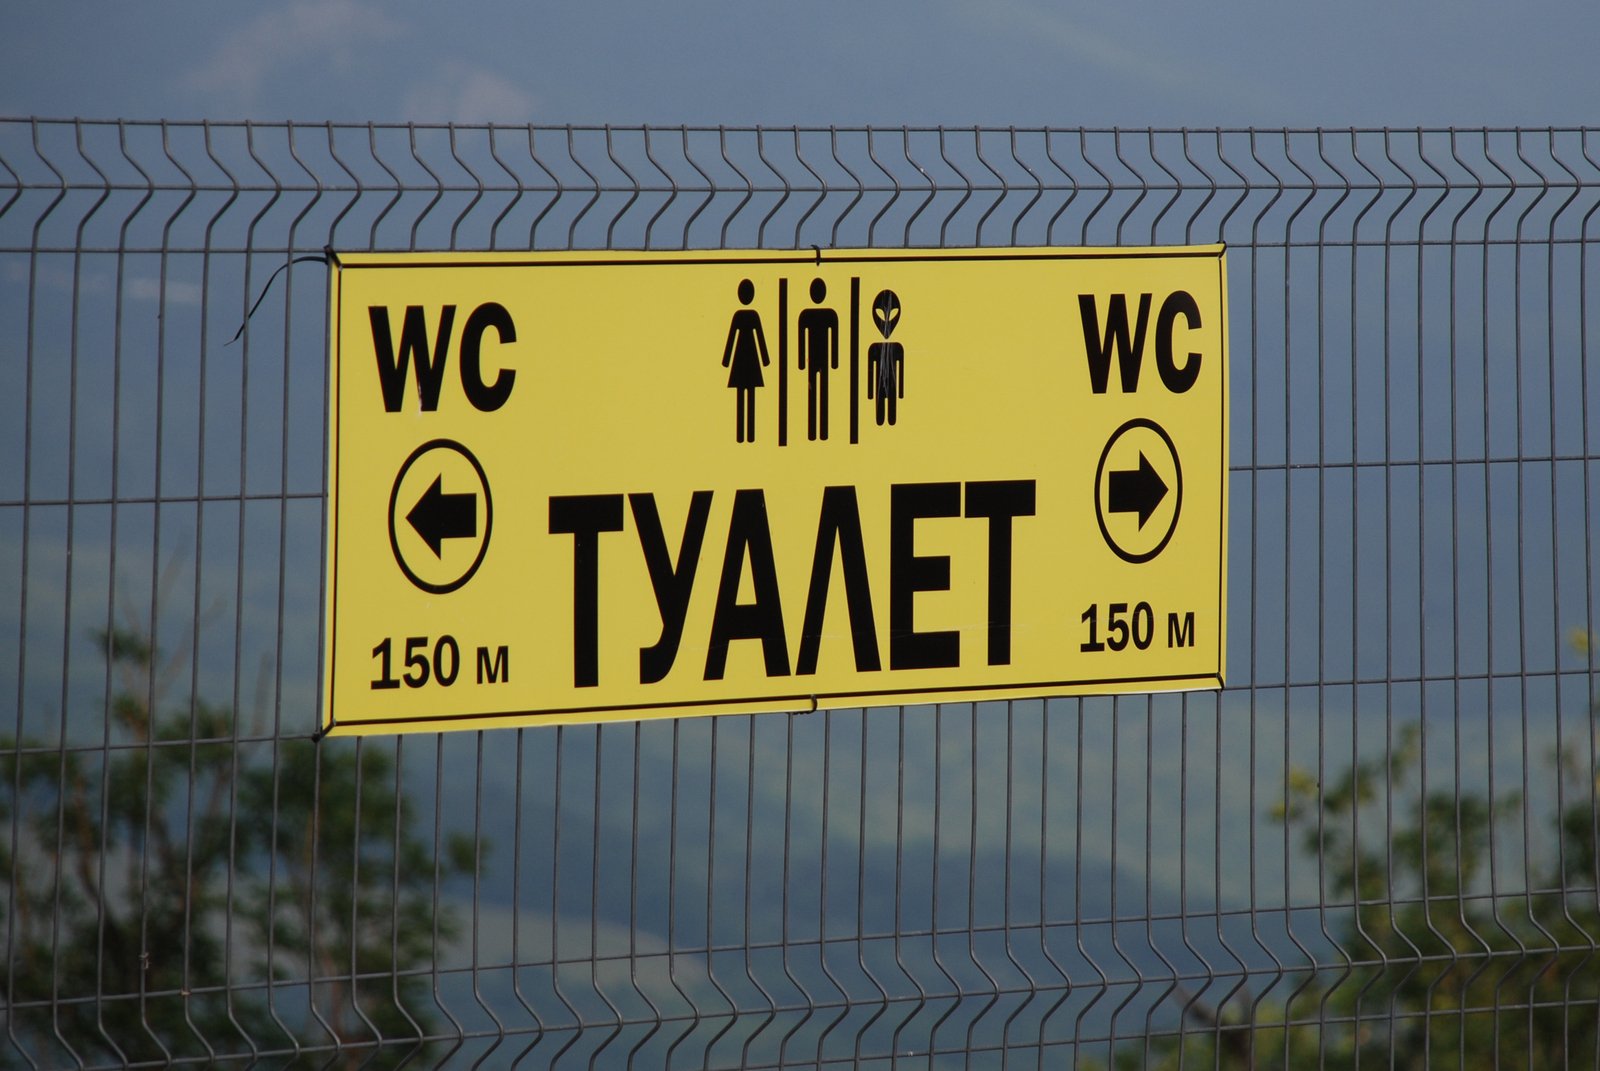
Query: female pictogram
(743, 356)
(886, 360)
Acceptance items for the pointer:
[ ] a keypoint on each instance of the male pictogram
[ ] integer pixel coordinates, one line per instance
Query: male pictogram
(886, 360)
(819, 351)
(743, 355)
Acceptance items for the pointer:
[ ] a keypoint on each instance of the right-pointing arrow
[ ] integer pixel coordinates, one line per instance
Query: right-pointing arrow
(1137, 491)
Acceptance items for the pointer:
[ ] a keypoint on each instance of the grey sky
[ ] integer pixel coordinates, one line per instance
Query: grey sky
(1024, 62)
(1371, 588)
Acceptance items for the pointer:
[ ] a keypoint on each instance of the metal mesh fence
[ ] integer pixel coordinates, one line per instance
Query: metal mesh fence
(1377, 846)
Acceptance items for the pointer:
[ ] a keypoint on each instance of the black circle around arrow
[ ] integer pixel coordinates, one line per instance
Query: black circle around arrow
(438, 516)
(1139, 491)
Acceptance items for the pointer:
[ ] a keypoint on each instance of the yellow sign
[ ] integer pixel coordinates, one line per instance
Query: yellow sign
(573, 487)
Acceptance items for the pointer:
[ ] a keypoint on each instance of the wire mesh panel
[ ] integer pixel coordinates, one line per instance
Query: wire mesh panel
(1377, 846)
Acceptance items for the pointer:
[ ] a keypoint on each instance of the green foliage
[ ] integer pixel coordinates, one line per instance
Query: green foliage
(1439, 970)
(156, 883)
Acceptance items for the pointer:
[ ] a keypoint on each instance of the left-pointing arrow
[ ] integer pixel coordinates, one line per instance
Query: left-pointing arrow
(438, 516)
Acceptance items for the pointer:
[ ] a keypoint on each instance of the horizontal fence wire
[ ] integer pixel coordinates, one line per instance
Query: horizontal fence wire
(1379, 845)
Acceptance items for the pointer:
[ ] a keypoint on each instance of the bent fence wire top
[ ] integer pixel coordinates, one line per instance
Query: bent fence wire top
(1377, 844)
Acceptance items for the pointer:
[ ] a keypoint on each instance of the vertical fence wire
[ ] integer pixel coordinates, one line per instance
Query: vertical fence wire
(1379, 844)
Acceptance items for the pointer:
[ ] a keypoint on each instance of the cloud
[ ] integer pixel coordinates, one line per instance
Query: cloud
(327, 32)
(1151, 62)
(332, 45)
(102, 281)
(459, 92)
(176, 292)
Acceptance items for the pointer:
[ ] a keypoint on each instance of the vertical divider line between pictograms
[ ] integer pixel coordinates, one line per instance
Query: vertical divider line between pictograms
(783, 362)
(855, 359)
